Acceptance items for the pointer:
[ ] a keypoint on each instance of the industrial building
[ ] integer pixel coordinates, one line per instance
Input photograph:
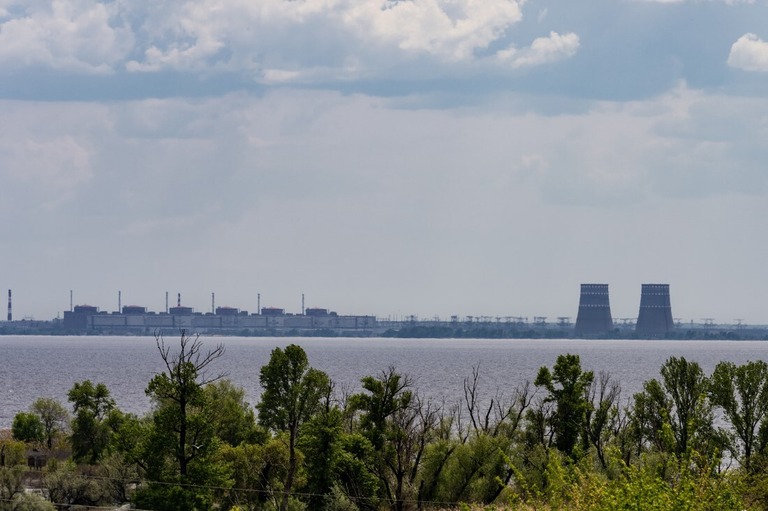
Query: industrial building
(136, 319)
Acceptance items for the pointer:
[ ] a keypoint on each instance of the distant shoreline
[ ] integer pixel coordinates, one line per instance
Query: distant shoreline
(402, 330)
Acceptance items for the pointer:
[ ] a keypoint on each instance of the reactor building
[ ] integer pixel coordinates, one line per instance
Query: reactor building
(655, 317)
(594, 317)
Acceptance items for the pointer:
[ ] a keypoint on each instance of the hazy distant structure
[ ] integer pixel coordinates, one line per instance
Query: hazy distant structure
(655, 317)
(594, 316)
(10, 307)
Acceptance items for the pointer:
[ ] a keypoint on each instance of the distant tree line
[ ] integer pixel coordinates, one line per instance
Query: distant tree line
(566, 440)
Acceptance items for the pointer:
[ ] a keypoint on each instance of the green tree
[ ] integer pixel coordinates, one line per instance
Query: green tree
(12, 470)
(257, 472)
(181, 441)
(674, 414)
(53, 416)
(292, 395)
(91, 433)
(234, 421)
(742, 393)
(567, 387)
(399, 426)
(27, 427)
(320, 442)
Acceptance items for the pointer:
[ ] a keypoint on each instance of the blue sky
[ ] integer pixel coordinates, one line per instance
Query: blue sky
(428, 157)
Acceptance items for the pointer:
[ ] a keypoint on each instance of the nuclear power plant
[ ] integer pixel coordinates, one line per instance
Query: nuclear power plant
(594, 320)
(594, 316)
(655, 317)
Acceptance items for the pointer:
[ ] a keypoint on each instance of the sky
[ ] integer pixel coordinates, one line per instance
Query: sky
(386, 157)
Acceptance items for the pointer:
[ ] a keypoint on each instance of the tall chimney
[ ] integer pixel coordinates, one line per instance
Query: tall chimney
(302, 304)
(213, 303)
(71, 301)
(166, 302)
(119, 302)
(178, 300)
(258, 303)
(10, 307)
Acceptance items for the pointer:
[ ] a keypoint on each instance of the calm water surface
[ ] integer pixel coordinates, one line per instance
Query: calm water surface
(32, 367)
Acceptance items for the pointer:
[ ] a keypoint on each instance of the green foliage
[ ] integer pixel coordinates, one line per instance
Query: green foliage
(180, 443)
(54, 417)
(383, 397)
(160, 497)
(469, 472)
(399, 426)
(91, 433)
(292, 389)
(675, 415)
(566, 386)
(12, 453)
(742, 393)
(356, 469)
(320, 442)
(66, 485)
(235, 421)
(11, 482)
(200, 447)
(260, 470)
(292, 395)
(27, 427)
(30, 502)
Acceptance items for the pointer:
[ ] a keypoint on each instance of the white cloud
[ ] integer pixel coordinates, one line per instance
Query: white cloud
(543, 50)
(449, 29)
(79, 35)
(749, 53)
(288, 41)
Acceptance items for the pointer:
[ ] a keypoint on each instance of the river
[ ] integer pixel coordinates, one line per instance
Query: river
(40, 366)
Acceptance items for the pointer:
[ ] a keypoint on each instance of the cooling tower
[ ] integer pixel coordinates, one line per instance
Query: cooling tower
(655, 318)
(594, 310)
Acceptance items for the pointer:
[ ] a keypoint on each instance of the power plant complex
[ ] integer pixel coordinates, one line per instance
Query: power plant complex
(593, 320)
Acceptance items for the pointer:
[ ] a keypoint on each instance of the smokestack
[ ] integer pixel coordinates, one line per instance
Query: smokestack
(258, 303)
(166, 302)
(655, 317)
(119, 302)
(302, 304)
(10, 307)
(213, 303)
(178, 300)
(594, 310)
(71, 301)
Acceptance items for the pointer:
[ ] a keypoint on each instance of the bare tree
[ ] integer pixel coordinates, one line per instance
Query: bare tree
(179, 390)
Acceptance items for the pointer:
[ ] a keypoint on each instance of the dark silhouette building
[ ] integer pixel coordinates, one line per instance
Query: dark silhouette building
(655, 317)
(594, 316)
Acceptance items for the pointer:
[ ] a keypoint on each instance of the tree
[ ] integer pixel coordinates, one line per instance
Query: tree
(27, 427)
(399, 426)
(292, 394)
(235, 421)
(742, 393)
(674, 414)
(567, 385)
(53, 416)
(602, 416)
(181, 439)
(320, 442)
(91, 433)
